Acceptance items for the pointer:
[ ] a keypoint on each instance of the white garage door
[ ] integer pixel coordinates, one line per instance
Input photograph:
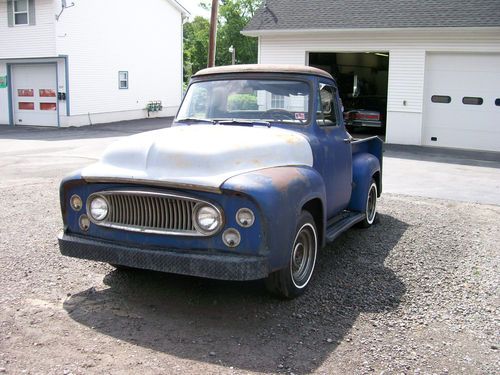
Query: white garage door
(34, 93)
(462, 101)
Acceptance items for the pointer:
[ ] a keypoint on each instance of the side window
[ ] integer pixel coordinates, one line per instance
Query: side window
(327, 114)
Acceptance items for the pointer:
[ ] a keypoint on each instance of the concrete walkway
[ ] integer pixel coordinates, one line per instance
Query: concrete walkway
(28, 152)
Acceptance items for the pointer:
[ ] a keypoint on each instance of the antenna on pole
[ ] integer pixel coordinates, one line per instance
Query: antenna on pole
(213, 33)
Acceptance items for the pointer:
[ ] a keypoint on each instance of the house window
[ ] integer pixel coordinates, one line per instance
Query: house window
(21, 12)
(277, 101)
(472, 100)
(123, 80)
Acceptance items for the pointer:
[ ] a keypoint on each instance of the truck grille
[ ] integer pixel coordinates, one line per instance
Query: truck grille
(149, 212)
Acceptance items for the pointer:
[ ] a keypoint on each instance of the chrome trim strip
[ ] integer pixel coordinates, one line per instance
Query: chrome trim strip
(136, 181)
(176, 211)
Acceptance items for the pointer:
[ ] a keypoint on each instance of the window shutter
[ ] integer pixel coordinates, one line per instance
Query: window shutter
(10, 13)
(31, 8)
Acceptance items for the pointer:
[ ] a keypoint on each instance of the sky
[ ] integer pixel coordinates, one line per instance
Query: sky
(194, 9)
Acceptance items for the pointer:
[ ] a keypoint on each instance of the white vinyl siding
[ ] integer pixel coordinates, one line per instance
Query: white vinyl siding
(100, 36)
(28, 41)
(406, 80)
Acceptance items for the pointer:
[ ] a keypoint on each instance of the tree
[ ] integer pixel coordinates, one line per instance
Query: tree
(195, 46)
(233, 17)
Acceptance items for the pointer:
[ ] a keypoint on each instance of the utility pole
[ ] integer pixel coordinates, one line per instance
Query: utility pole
(232, 51)
(213, 33)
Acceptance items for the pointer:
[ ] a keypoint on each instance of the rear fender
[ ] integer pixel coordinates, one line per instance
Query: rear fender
(364, 167)
(280, 193)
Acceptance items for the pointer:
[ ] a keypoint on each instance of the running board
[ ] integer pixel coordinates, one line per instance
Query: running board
(339, 227)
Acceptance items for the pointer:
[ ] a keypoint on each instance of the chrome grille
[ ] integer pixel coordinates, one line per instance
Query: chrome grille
(149, 212)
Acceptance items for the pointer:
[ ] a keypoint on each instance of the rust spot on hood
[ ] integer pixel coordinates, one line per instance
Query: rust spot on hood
(281, 178)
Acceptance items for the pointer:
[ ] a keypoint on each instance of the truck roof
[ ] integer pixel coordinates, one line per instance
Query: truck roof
(263, 68)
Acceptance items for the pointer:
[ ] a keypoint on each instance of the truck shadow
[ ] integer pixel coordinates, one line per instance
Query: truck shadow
(237, 324)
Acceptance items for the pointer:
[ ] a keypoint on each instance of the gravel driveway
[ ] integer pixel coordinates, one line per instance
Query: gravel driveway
(416, 293)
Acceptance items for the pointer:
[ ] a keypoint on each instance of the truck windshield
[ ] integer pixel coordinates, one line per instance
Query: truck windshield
(247, 100)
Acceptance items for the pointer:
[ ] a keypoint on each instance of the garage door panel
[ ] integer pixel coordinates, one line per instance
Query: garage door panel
(459, 62)
(34, 94)
(467, 139)
(456, 124)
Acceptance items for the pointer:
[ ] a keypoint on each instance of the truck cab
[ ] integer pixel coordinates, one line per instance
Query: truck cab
(256, 174)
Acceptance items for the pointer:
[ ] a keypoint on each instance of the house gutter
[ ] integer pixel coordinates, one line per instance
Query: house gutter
(412, 30)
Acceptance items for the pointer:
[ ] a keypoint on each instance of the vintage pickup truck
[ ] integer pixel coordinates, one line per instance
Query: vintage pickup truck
(256, 174)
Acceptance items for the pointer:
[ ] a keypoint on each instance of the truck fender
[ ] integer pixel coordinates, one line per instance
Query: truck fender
(281, 193)
(364, 167)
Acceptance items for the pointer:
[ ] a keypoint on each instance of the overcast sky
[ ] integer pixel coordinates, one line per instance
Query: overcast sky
(192, 6)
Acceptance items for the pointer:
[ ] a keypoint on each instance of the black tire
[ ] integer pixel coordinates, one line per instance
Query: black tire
(371, 206)
(292, 281)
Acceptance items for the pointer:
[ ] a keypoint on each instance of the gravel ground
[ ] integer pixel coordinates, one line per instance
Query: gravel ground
(416, 293)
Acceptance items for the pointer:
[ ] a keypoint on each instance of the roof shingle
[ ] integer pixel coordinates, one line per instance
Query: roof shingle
(362, 14)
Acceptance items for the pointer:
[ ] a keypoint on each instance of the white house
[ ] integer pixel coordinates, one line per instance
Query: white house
(88, 61)
(434, 64)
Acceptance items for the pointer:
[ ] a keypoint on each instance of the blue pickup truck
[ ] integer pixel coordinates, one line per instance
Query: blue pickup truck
(256, 174)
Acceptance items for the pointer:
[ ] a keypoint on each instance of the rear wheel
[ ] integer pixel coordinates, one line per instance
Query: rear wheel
(371, 206)
(292, 281)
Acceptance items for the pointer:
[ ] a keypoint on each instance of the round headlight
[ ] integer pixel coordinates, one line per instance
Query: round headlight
(76, 202)
(98, 208)
(231, 237)
(245, 217)
(207, 219)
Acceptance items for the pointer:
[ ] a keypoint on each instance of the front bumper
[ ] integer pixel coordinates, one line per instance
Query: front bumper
(213, 266)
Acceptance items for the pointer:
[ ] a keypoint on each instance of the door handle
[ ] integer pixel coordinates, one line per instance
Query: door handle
(347, 140)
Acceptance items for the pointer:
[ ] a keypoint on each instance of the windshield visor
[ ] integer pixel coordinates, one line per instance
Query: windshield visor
(250, 100)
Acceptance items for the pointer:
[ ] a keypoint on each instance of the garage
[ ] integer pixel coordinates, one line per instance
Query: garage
(34, 94)
(362, 79)
(462, 101)
(431, 70)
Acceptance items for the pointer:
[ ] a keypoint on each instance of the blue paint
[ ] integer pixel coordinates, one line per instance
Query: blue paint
(338, 180)
(251, 238)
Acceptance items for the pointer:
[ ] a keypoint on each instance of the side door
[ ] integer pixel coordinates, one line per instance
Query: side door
(336, 147)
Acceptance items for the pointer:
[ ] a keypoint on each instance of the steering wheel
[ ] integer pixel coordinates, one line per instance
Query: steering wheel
(280, 114)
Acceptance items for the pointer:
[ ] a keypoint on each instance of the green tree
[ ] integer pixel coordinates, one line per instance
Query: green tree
(233, 17)
(195, 46)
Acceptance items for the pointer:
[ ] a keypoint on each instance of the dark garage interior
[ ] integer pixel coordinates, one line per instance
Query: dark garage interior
(362, 80)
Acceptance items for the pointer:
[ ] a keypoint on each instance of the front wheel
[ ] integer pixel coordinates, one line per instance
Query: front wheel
(371, 206)
(292, 281)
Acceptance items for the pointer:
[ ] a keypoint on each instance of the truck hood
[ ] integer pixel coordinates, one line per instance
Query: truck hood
(199, 155)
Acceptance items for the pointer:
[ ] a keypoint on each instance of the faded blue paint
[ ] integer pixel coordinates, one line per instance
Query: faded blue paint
(339, 179)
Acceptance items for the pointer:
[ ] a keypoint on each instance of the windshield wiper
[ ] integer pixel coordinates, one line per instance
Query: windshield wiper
(243, 122)
(194, 119)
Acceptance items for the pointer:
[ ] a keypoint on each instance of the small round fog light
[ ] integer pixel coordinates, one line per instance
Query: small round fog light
(84, 223)
(231, 237)
(245, 217)
(76, 202)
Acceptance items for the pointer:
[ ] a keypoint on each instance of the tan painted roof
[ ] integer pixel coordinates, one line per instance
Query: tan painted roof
(263, 68)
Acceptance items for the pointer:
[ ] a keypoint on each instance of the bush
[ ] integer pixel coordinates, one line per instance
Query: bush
(242, 102)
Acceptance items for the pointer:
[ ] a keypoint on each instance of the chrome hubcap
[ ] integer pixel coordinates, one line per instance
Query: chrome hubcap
(371, 204)
(303, 256)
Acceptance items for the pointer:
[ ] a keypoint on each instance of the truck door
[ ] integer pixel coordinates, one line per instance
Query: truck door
(336, 148)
